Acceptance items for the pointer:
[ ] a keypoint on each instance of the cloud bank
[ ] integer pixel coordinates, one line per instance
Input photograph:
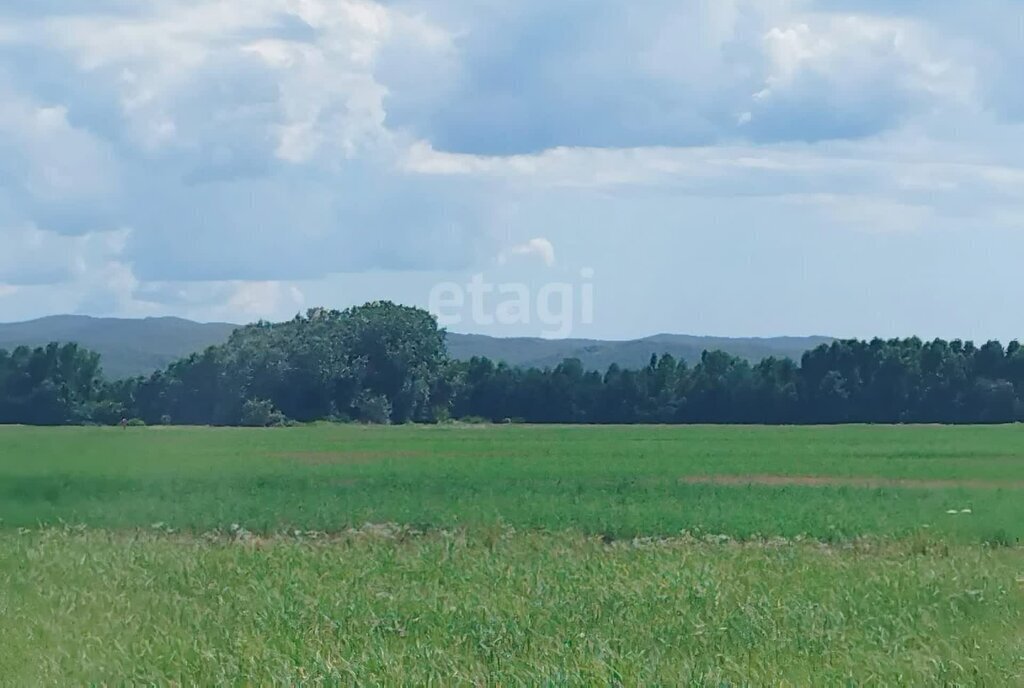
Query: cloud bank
(229, 158)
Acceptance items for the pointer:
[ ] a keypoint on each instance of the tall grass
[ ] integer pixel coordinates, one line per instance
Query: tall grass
(525, 556)
(503, 608)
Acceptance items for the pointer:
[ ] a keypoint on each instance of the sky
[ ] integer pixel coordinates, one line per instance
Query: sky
(589, 168)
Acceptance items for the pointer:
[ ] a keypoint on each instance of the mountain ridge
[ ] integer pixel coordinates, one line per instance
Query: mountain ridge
(131, 347)
(127, 346)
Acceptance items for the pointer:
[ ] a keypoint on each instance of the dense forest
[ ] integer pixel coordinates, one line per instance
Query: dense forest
(385, 363)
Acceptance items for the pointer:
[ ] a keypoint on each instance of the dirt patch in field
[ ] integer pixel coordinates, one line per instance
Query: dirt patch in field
(837, 481)
(348, 458)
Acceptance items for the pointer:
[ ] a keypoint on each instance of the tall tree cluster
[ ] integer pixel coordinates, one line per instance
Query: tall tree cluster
(52, 385)
(385, 363)
(880, 381)
(377, 363)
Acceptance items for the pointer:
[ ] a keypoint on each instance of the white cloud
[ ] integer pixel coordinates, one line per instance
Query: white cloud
(664, 73)
(856, 75)
(538, 247)
(883, 184)
(230, 300)
(324, 80)
(84, 272)
(36, 256)
(263, 299)
(254, 125)
(90, 273)
(889, 162)
(48, 158)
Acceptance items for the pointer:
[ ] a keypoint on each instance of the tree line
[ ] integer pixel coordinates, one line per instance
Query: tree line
(386, 363)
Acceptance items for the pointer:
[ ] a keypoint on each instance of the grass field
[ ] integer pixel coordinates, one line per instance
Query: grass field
(517, 555)
(618, 481)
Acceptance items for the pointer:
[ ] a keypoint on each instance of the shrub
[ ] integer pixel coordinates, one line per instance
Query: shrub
(260, 413)
(99, 413)
(375, 409)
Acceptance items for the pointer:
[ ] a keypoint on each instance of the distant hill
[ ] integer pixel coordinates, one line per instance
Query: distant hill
(598, 354)
(139, 347)
(128, 347)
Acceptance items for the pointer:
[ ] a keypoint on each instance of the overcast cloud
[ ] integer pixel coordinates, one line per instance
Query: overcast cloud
(741, 167)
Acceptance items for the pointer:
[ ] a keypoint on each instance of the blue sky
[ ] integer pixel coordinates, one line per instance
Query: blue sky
(730, 167)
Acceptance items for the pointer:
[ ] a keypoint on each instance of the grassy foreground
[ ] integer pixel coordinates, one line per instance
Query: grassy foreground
(836, 482)
(527, 556)
(391, 608)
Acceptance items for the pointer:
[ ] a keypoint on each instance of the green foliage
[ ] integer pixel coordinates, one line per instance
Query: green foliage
(894, 381)
(139, 347)
(105, 412)
(374, 409)
(474, 420)
(52, 385)
(385, 363)
(379, 363)
(260, 413)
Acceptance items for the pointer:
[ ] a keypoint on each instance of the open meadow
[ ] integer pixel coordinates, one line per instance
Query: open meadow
(513, 554)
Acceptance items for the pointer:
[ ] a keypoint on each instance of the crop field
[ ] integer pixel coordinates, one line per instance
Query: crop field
(504, 555)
